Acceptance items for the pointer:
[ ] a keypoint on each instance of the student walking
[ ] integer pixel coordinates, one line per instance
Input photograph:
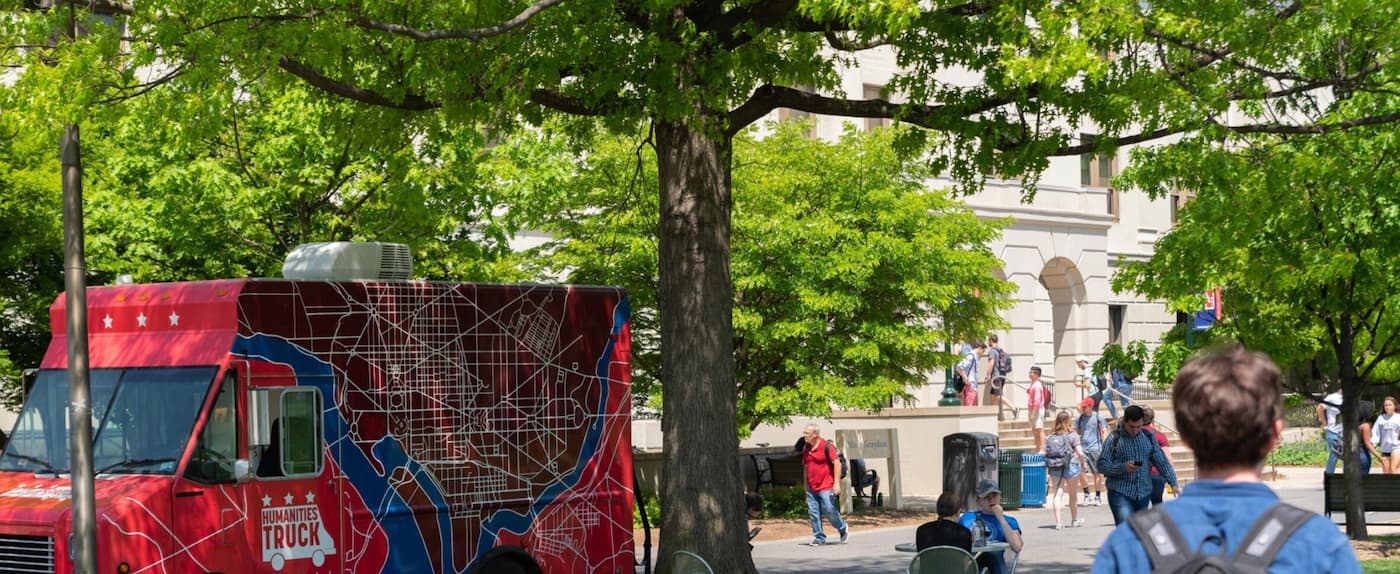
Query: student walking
(1063, 460)
(1127, 454)
(1385, 434)
(1092, 431)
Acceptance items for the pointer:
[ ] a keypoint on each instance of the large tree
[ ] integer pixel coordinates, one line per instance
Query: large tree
(187, 184)
(849, 273)
(1002, 84)
(1303, 232)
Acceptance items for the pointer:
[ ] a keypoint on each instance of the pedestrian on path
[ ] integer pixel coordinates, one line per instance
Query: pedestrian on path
(1328, 412)
(821, 466)
(998, 369)
(1063, 461)
(1127, 454)
(1363, 427)
(1229, 410)
(1386, 435)
(1092, 431)
(1159, 484)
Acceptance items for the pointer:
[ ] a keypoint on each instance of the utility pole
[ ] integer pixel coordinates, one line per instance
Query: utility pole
(84, 542)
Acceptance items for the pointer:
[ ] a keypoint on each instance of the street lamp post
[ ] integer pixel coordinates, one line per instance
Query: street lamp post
(950, 395)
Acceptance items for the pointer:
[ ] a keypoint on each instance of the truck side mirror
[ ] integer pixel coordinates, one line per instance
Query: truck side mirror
(241, 470)
(259, 425)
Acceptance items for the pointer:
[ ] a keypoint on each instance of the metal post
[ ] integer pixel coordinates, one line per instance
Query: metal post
(950, 396)
(84, 543)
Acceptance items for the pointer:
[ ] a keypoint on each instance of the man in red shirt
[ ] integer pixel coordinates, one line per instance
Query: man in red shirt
(822, 468)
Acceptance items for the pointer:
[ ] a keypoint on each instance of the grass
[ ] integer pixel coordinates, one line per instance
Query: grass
(1380, 566)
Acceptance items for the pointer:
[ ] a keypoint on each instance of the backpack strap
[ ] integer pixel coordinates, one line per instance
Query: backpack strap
(1165, 547)
(1267, 536)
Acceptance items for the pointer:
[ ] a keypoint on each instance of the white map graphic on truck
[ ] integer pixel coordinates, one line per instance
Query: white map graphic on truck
(294, 532)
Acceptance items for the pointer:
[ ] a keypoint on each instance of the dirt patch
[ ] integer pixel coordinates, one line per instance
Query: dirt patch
(1379, 549)
(784, 528)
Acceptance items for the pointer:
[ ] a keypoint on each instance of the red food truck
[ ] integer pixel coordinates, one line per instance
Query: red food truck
(317, 424)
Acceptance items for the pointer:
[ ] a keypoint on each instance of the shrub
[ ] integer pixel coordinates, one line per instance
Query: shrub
(1305, 453)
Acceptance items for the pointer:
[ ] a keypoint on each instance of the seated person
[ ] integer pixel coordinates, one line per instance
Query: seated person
(861, 479)
(945, 531)
(993, 520)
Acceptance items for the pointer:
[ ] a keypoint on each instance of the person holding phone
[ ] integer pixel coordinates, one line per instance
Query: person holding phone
(1127, 454)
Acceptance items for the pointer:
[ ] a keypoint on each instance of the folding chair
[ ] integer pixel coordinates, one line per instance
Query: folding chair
(683, 562)
(943, 560)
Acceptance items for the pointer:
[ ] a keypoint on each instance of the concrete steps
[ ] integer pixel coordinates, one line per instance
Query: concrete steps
(1017, 435)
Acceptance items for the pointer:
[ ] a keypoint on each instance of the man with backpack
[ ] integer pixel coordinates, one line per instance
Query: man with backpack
(967, 369)
(1127, 454)
(998, 368)
(1230, 412)
(822, 465)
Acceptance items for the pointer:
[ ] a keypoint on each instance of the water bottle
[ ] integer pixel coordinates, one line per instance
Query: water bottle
(979, 533)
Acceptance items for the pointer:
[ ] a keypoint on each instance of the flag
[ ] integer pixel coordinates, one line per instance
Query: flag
(1211, 313)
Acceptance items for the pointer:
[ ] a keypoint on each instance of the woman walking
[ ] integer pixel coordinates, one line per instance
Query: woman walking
(1386, 435)
(1063, 459)
(1368, 447)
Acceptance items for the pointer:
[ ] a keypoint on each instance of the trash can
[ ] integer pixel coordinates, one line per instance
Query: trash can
(967, 459)
(1032, 480)
(1009, 478)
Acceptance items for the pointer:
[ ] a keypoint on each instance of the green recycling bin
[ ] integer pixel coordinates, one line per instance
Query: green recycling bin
(1009, 478)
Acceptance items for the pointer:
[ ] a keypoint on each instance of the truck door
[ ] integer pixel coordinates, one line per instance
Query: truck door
(293, 503)
(208, 505)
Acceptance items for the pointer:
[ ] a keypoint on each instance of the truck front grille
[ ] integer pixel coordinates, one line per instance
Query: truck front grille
(26, 553)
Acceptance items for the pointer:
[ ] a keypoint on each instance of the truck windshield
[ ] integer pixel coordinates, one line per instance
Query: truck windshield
(141, 420)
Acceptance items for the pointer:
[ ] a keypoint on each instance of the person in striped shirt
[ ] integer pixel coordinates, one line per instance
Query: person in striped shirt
(1127, 454)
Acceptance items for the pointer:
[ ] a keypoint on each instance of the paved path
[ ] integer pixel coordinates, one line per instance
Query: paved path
(1046, 550)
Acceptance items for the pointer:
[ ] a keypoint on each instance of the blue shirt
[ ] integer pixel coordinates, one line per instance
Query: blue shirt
(1119, 449)
(1209, 507)
(994, 534)
(1089, 427)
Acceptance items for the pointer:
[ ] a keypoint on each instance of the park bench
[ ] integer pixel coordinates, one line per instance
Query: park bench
(784, 470)
(1379, 492)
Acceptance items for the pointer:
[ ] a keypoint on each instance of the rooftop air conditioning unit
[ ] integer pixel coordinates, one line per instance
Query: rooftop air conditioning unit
(349, 261)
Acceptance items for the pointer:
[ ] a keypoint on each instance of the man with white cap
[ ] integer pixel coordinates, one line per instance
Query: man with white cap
(994, 525)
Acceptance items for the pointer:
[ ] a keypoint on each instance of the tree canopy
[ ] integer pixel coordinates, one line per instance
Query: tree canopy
(1303, 234)
(849, 273)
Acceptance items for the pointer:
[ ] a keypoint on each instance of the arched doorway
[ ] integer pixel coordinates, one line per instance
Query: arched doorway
(1061, 324)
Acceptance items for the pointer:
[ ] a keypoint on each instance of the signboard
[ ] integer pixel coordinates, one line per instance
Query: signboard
(871, 444)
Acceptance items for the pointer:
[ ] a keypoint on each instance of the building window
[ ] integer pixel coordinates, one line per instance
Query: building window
(1179, 200)
(872, 92)
(1097, 169)
(1115, 323)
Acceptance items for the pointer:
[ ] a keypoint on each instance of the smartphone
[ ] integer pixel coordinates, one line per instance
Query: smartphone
(1137, 462)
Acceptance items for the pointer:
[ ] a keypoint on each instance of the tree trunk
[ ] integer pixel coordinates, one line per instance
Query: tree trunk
(1351, 433)
(701, 489)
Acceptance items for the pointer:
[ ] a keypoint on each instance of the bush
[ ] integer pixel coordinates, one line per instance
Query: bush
(653, 506)
(784, 502)
(1307, 453)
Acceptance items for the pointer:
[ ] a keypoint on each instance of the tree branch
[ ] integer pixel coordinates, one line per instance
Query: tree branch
(349, 91)
(1311, 128)
(839, 43)
(473, 34)
(768, 97)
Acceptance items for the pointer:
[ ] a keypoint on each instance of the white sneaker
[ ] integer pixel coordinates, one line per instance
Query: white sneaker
(1077, 523)
(1059, 527)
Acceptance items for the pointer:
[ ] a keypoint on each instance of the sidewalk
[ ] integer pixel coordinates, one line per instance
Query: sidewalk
(1046, 549)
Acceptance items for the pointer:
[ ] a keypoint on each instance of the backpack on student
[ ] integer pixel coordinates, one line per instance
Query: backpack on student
(1171, 553)
(1058, 449)
(959, 383)
(1003, 361)
(839, 456)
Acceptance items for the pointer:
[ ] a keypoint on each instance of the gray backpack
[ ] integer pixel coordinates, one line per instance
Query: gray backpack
(1170, 552)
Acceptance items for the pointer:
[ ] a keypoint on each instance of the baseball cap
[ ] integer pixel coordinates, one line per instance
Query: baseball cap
(1087, 402)
(1081, 358)
(986, 487)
